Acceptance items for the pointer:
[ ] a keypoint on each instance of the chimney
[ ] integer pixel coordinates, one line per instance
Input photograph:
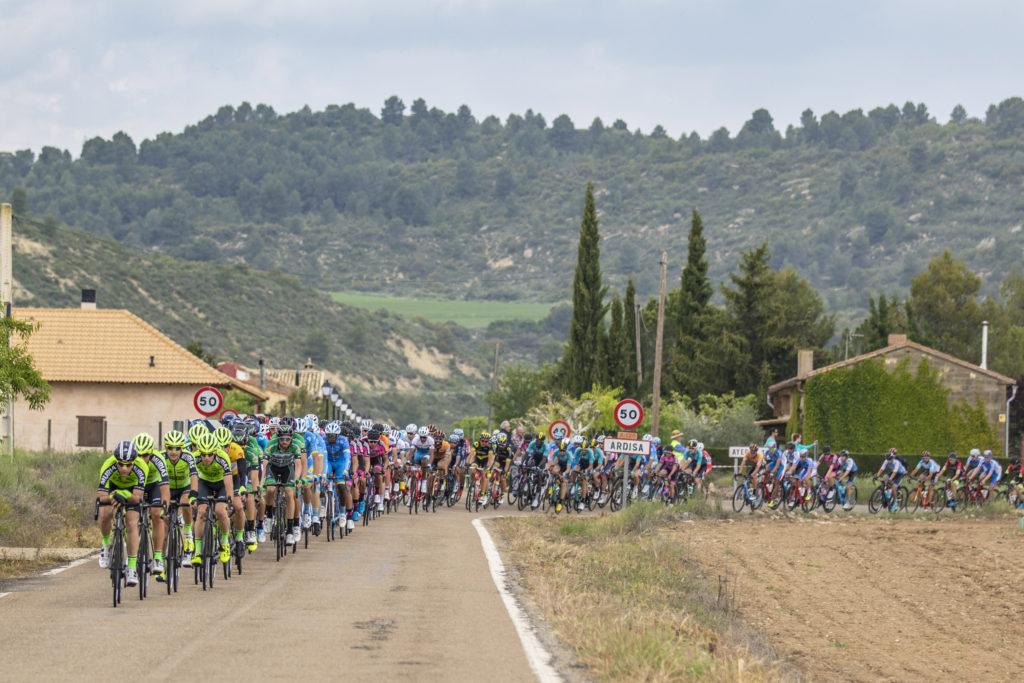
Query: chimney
(897, 339)
(88, 299)
(804, 362)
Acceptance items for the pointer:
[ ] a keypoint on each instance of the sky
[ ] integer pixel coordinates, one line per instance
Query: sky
(72, 70)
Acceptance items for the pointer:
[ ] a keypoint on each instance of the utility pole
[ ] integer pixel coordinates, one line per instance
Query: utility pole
(656, 403)
(636, 330)
(494, 384)
(6, 297)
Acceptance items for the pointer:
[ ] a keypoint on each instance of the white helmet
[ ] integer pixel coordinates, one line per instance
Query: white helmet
(366, 424)
(975, 452)
(646, 437)
(424, 432)
(578, 439)
(332, 428)
(410, 428)
(700, 445)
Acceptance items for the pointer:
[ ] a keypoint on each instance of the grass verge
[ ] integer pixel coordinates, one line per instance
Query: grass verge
(46, 499)
(628, 599)
(10, 569)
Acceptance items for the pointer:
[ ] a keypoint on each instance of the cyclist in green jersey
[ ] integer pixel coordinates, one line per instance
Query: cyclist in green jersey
(122, 482)
(254, 458)
(182, 477)
(214, 482)
(157, 494)
(285, 464)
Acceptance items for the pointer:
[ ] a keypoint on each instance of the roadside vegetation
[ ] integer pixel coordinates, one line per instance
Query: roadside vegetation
(46, 499)
(472, 314)
(631, 602)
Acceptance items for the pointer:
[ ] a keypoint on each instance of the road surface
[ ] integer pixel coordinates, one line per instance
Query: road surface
(408, 598)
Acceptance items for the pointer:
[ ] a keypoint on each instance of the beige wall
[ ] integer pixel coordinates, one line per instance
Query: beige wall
(128, 409)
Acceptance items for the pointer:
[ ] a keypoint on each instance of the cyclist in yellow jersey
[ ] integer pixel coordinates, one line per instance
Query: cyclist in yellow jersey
(214, 483)
(234, 453)
(122, 481)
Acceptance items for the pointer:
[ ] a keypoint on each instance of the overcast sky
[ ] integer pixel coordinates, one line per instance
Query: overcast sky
(70, 70)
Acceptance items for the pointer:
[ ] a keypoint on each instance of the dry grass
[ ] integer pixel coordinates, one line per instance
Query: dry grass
(46, 499)
(10, 569)
(629, 601)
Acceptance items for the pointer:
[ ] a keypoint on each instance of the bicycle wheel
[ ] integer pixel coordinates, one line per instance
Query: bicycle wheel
(140, 558)
(116, 565)
(739, 499)
(513, 487)
(877, 500)
(829, 499)
(901, 498)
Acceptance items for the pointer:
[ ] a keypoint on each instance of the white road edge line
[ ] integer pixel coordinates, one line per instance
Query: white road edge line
(538, 657)
(58, 570)
(4, 595)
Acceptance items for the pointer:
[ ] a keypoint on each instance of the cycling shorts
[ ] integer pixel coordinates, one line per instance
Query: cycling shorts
(332, 467)
(480, 461)
(176, 494)
(213, 489)
(896, 479)
(241, 478)
(418, 456)
(280, 475)
(151, 495)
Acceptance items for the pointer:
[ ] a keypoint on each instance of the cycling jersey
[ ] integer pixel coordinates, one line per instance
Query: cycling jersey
(829, 460)
(156, 471)
(535, 453)
(955, 468)
(502, 453)
(180, 471)
(337, 457)
(481, 453)
(218, 468)
(441, 450)
(994, 468)
(561, 458)
(111, 479)
(931, 466)
(848, 467)
(895, 465)
(279, 456)
(802, 467)
(972, 462)
(421, 447)
(254, 451)
(234, 453)
(667, 462)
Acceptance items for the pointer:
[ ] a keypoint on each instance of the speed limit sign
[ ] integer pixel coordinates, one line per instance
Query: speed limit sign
(208, 401)
(628, 413)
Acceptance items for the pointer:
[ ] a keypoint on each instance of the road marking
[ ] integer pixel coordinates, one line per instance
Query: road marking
(4, 594)
(536, 655)
(58, 570)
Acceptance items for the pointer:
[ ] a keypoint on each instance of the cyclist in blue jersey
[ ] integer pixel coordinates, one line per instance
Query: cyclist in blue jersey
(802, 471)
(314, 467)
(990, 472)
(338, 463)
(893, 471)
(846, 475)
(973, 461)
(558, 465)
(930, 473)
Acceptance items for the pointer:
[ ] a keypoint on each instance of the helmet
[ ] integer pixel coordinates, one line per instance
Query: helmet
(563, 444)
(975, 452)
(485, 436)
(274, 421)
(223, 436)
(380, 427)
(893, 451)
(925, 454)
(196, 430)
(988, 453)
(528, 437)
(365, 424)
(953, 456)
(578, 440)
(700, 445)
(453, 438)
(285, 429)
(600, 440)
(410, 428)
(790, 446)
(144, 442)
(264, 429)
(826, 450)
(439, 435)
(240, 432)
(844, 453)
(502, 438)
(424, 432)
(645, 437)
(174, 439)
(656, 440)
(125, 451)
(312, 419)
(458, 432)
(207, 444)
(692, 443)
(332, 428)
(753, 447)
(1015, 460)
(373, 435)
(558, 433)
(890, 455)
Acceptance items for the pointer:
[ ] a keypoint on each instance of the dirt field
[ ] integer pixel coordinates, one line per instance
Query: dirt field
(874, 599)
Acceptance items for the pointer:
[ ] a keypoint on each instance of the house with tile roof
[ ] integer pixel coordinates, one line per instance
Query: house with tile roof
(112, 375)
(963, 379)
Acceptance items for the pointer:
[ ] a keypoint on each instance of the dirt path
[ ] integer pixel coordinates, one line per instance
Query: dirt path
(871, 599)
(405, 599)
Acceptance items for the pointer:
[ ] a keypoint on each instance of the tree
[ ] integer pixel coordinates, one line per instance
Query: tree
(749, 311)
(580, 362)
(562, 134)
(946, 307)
(627, 341)
(519, 389)
(19, 201)
(195, 347)
(617, 364)
(317, 347)
(695, 286)
(19, 377)
(958, 115)
(809, 122)
(392, 111)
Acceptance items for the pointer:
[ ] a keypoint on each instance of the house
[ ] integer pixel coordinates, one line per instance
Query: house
(112, 375)
(964, 380)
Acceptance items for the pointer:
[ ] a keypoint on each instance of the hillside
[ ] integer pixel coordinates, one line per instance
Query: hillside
(424, 202)
(387, 363)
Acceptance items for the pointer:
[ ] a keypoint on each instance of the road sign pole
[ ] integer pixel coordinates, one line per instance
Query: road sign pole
(625, 480)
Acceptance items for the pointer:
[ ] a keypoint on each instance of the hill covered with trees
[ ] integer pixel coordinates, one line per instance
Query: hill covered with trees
(418, 200)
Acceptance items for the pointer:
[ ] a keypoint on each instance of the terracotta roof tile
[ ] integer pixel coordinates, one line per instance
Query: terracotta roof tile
(75, 345)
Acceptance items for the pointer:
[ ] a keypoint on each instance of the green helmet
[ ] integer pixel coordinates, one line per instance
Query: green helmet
(223, 436)
(144, 442)
(207, 443)
(174, 439)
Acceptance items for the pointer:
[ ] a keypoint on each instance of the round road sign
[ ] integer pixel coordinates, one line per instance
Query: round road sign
(628, 413)
(559, 425)
(208, 401)
(227, 412)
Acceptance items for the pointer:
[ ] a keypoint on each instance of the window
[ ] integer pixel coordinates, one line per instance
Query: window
(92, 432)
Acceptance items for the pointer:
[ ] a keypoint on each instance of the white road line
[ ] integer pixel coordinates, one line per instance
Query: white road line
(538, 657)
(58, 570)
(3, 594)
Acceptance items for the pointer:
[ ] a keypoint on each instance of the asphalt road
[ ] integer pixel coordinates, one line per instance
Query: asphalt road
(409, 598)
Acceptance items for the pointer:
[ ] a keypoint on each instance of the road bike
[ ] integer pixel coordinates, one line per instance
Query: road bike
(920, 498)
(886, 495)
(118, 550)
(174, 546)
(748, 493)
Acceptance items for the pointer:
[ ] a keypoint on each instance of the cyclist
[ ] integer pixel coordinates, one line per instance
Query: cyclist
(695, 461)
(243, 480)
(314, 468)
(973, 461)
(284, 461)
(801, 472)
(601, 468)
(483, 459)
(558, 465)
(337, 463)
(234, 453)
(990, 472)
(459, 448)
(752, 459)
(930, 474)
(896, 471)
(846, 476)
(156, 495)
(181, 478)
(502, 457)
(666, 470)
(122, 483)
(422, 445)
(377, 449)
(214, 483)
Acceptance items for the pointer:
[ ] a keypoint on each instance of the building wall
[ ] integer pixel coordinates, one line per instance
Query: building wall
(128, 409)
(962, 382)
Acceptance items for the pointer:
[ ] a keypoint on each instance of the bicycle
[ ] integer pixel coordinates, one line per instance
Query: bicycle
(919, 497)
(748, 493)
(887, 495)
(847, 495)
(118, 550)
(413, 483)
(174, 546)
(330, 507)
(209, 554)
(472, 488)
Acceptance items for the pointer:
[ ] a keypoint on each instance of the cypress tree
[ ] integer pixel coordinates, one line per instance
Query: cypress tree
(695, 287)
(582, 360)
(617, 365)
(627, 341)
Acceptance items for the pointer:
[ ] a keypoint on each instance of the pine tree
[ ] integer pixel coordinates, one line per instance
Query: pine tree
(627, 341)
(695, 287)
(581, 362)
(749, 310)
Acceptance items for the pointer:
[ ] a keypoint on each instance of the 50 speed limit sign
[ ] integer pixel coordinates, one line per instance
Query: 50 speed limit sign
(628, 413)
(208, 401)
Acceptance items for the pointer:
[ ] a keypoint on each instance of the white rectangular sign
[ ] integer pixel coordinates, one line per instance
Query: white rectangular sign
(630, 446)
(737, 451)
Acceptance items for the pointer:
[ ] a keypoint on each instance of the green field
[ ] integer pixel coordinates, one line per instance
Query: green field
(465, 313)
